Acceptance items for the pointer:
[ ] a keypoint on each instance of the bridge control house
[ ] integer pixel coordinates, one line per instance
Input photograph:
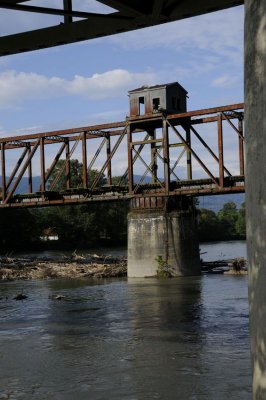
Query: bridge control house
(157, 226)
(170, 97)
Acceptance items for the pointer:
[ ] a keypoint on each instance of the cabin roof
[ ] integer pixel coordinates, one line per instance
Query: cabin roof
(154, 87)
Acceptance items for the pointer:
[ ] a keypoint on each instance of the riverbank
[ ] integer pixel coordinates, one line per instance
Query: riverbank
(93, 266)
(75, 266)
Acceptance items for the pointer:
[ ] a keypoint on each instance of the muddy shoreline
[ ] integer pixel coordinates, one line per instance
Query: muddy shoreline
(75, 266)
(93, 266)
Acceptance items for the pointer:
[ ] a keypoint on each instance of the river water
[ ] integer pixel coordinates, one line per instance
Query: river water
(138, 339)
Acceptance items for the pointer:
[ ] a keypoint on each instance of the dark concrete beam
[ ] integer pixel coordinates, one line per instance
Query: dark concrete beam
(68, 7)
(131, 15)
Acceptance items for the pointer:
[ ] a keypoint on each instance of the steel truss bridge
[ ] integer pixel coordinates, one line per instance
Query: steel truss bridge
(177, 154)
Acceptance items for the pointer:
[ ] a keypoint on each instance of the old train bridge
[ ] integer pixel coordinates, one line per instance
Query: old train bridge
(217, 177)
(169, 156)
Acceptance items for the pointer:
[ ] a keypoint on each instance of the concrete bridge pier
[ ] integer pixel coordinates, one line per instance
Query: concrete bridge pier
(255, 127)
(162, 228)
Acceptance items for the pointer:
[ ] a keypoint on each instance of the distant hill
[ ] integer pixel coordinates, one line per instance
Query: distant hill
(23, 185)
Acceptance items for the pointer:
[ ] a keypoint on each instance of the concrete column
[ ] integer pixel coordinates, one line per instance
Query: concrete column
(255, 124)
(172, 235)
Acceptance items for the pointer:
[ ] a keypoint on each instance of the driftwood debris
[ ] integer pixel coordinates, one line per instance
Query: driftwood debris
(235, 266)
(74, 266)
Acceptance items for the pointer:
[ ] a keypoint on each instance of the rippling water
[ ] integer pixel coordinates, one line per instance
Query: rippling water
(182, 338)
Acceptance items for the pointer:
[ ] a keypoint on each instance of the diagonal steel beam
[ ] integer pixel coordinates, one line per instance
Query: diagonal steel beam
(98, 151)
(69, 155)
(175, 164)
(66, 12)
(233, 126)
(29, 171)
(208, 148)
(51, 168)
(101, 172)
(123, 177)
(16, 168)
(3, 170)
(25, 166)
(193, 153)
(148, 167)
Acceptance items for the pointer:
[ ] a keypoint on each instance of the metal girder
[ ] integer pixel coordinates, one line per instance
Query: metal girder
(164, 140)
(68, 7)
(66, 12)
(129, 15)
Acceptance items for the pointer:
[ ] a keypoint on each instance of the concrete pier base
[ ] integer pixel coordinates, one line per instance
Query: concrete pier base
(255, 127)
(170, 235)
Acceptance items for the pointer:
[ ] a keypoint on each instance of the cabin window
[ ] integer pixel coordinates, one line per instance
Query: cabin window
(156, 104)
(176, 103)
(141, 106)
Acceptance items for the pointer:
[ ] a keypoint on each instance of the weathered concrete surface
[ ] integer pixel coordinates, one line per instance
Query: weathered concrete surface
(171, 235)
(255, 121)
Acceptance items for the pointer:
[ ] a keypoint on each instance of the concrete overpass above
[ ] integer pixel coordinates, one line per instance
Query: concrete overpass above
(75, 25)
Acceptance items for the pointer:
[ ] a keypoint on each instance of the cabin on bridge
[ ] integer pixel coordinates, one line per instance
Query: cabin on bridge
(169, 97)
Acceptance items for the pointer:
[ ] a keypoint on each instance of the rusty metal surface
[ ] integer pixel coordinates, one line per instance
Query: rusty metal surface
(160, 157)
(147, 100)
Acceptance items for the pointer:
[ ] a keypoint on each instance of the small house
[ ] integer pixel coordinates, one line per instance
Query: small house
(169, 97)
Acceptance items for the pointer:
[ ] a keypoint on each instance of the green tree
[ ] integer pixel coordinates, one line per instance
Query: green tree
(120, 180)
(209, 226)
(18, 229)
(58, 178)
(240, 225)
(228, 216)
(84, 224)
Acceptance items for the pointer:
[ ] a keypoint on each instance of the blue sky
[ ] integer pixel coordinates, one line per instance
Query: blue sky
(87, 83)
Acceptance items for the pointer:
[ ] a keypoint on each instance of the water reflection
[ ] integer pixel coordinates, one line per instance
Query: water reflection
(165, 318)
(183, 338)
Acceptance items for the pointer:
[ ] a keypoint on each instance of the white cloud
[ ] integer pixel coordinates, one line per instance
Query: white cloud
(16, 87)
(225, 81)
(108, 84)
(221, 33)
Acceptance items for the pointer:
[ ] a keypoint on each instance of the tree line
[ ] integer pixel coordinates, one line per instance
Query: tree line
(228, 224)
(87, 225)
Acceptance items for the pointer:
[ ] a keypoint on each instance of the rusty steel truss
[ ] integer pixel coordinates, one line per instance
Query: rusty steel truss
(177, 155)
